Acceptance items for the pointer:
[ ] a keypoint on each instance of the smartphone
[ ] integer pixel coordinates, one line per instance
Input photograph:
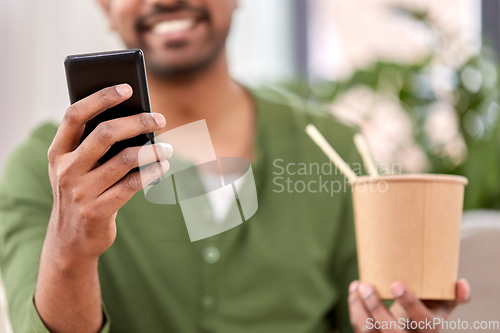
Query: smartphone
(89, 73)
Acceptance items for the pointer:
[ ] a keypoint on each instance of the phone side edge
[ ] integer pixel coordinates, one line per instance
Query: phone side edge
(143, 86)
(67, 67)
(143, 82)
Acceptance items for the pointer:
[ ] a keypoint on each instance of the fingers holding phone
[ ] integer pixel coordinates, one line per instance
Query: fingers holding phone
(86, 197)
(71, 129)
(119, 166)
(93, 160)
(108, 133)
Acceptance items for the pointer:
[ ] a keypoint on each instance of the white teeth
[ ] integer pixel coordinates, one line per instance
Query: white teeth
(173, 26)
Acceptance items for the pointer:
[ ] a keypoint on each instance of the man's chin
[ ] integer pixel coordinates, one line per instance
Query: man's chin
(168, 66)
(172, 69)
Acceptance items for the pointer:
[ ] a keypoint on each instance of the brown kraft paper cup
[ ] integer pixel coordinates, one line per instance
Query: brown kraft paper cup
(408, 230)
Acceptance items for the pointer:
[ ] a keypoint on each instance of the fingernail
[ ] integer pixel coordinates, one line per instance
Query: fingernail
(169, 150)
(165, 165)
(397, 289)
(159, 119)
(468, 289)
(353, 286)
(365, 290)
(124, 89)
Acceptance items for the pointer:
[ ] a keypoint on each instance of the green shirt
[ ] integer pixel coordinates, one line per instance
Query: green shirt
(285, 270)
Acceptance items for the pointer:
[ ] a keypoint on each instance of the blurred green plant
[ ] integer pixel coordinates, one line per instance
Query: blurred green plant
(471, 89)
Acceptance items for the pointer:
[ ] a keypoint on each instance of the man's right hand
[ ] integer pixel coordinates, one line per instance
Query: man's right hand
(87, 197)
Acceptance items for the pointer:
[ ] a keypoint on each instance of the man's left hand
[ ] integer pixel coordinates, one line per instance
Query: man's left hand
(366, 308)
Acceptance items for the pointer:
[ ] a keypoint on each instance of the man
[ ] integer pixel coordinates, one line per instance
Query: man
(82, 251)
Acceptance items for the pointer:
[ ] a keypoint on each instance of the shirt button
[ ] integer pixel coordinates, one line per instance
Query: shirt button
(211, 254)
(208, 303)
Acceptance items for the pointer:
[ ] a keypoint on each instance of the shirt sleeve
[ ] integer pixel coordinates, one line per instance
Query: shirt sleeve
(25, 208)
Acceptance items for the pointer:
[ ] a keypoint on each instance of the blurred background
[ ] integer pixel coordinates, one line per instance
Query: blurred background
(418, 77)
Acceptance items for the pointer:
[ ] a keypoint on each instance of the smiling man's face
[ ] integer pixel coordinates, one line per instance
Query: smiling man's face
(177, 36)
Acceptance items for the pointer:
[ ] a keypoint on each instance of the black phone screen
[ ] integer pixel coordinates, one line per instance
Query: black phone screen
(89, 73)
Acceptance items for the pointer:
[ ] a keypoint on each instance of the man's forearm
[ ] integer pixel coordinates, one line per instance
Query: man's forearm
(68, 294)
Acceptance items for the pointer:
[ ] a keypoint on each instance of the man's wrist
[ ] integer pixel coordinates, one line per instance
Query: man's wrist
(66, 260)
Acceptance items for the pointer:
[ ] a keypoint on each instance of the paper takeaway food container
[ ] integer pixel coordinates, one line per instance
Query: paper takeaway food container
(408, 229)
